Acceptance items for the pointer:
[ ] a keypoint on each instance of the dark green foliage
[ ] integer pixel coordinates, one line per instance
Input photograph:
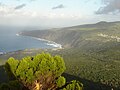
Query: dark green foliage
(60, 81)
(60, 65)
(12, 85)
(74, 85)
(26, 68)
(4, 86)
(40, 71)
(95, 69)
(29, 69)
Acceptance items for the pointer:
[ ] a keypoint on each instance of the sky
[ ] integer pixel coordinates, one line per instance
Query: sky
(57, 13)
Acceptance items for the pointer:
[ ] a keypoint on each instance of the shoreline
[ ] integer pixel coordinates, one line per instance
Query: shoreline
(49, 43)
(1, 53)
(17, 34)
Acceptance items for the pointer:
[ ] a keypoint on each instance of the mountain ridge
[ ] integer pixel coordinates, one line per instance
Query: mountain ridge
(77, 35)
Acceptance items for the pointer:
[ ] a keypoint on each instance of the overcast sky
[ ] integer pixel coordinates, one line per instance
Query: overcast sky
(55, 13)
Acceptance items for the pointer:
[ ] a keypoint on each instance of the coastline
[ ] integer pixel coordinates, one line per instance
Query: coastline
(1, 53)
(17, 34)
(49, 43)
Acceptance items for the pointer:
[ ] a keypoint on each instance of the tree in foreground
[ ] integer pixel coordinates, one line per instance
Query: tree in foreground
(40, 72)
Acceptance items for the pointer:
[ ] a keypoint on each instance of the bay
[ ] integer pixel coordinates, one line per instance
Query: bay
(9, 41)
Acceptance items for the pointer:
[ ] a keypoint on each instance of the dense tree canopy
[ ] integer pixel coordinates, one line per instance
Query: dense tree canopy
(40, 72)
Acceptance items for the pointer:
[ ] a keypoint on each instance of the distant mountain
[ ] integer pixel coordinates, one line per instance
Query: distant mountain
(84, 36)
(99, 38)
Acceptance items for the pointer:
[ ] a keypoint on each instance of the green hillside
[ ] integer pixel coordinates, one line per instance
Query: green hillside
(87, 36)
(91, 53)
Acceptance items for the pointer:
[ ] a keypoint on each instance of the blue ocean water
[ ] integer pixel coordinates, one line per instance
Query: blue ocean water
(9, 41)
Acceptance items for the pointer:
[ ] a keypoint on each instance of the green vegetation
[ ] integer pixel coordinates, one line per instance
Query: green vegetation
(91, 53)
(60, 81)
(92, 70)
(42, 71)
(73, 85)
(82, 36)
(11, 85)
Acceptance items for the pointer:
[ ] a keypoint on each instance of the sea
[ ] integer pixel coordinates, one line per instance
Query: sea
(10, 40)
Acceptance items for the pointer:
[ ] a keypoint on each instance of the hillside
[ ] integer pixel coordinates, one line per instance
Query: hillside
(86, 36)
(93, 39)
(91, 53)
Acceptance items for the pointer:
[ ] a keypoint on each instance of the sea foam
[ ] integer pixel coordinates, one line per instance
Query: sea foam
(50, 43)
(17, 34)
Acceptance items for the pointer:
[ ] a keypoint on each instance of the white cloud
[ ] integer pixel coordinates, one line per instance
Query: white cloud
(4, 10)
(22, 17)
(111, 6)
(10, 11)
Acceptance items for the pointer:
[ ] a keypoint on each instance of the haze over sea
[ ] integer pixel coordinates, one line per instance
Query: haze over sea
(9, 41)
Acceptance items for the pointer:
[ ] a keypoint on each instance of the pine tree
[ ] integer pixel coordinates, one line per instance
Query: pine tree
(42, 71)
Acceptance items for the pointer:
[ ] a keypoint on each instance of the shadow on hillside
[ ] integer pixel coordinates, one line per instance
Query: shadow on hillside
(88, 85)
(3, 75)
(5, 79)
